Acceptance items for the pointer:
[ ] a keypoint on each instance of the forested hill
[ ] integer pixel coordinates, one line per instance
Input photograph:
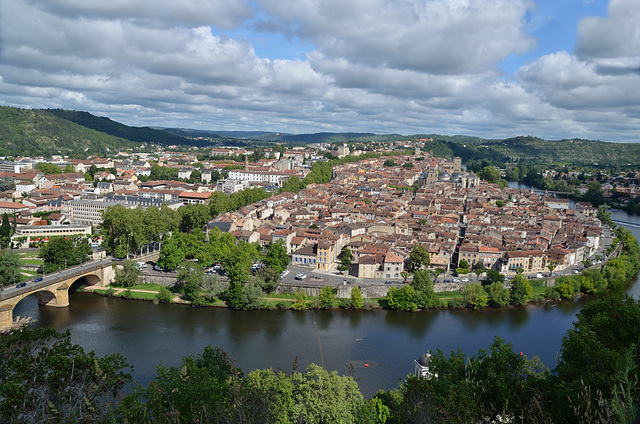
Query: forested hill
(38, 132)
(573, 151)
(137, 134)
(56, 131)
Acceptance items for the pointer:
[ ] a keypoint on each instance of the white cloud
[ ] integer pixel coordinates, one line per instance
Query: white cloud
(613, 41)
(402, 66)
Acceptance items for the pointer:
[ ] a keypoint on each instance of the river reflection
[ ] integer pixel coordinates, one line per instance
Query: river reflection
(388, 341)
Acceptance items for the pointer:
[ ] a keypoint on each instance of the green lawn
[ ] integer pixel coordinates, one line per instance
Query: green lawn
(147, 286)
(32, 261)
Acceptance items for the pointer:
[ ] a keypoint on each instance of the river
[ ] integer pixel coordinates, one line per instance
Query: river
(388, 342)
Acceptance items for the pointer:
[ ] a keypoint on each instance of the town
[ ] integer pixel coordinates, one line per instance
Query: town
(376, 209)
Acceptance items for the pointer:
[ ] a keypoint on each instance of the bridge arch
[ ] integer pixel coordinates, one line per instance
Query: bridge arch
(55, 293)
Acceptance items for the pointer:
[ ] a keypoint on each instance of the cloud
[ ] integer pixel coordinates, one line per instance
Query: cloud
(435, 36)
(225, 14)
(613, 41)
(400, 66)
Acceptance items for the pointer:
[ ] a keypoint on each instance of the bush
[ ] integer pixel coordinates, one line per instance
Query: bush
(164, 295)
(456, 303)
(199, 301)
(126, 294)
(110, 291)
(551, 293)
(283, 305)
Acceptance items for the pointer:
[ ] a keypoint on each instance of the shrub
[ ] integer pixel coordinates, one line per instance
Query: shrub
(164, 295)
(456, 303)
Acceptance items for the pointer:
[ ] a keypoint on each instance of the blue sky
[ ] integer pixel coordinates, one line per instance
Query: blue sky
(491, 68)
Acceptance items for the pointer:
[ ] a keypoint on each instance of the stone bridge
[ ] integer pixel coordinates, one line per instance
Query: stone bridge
(53, 290)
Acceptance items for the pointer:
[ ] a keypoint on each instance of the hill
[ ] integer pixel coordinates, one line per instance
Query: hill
(136, 134)
(38, 132)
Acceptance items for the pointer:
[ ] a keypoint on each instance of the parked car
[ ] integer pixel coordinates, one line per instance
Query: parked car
(456, 280)
(37, 279)
(539, 275)
(284, 273)
(157, 267)
(20, 285)
(301, 276)
(388, 282)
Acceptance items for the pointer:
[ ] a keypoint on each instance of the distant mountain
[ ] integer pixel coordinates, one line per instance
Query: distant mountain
(136, 134)
(325, 137)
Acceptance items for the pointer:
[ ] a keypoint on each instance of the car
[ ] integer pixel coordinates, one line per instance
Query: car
(301, 276)
(388, 282)
(157, 267)
(37, 279)
(456, 280)
(447, 280)
(575, 271)
(465, 280)
(20, 285)
(284, 273)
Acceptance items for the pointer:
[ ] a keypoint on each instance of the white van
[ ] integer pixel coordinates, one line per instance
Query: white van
(141, 265)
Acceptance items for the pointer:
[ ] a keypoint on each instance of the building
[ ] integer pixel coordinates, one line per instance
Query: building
(25, 235)
(422, 369)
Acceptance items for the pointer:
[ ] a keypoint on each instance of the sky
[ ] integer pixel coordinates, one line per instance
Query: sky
(490, 68)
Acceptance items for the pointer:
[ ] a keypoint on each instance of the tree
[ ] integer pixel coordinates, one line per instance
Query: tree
(474, 296)
(172, 254)
(425, 296)
(201, 389)
(68, 169)
(521, 290)
(193, 217)
(494, 276)
(357, 302)
(327, 294)
(418, 258)
(276, 256)
(403, 299)
(498, 295)
(389, 163)
(45, 378)
(594, 194)
(122, 230)
(190, 277)
(300, 301)
(48, 168)
(267, 278)
(7, 183)
(489, 174)
(345, 260)
(128, 275)
(63, 252)
(5, 231)
(164, 295)
(10, 268)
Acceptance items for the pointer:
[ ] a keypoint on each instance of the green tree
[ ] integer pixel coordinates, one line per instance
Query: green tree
(475, 296)
(357, 302)
(63, 252)
(190, 277)
(594, 194)
(300, 301)
(69, 169)
(327, 295)
(403, 299)
(172, 253)
(193, 217)
(10, 271)
(489, 174)
(389, 163)
(521, 290)
(5, 231)
(276, 256)
(128, 275)
(45, 378)
(494, 276)
(48, 168)
(425, 296)
(345, 260)
(164, 295)
(7, 183)
(201, 389)
(418, 258)
(267, 278)
(499, 296)
(122, 230)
